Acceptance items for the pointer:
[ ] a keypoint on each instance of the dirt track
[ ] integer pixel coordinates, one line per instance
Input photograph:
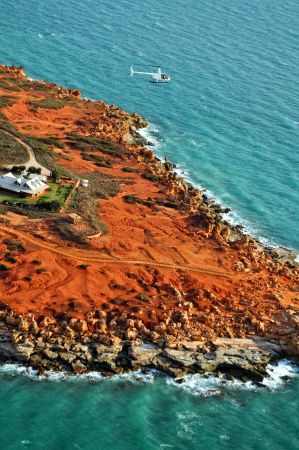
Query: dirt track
(31, 162)
(86, 256)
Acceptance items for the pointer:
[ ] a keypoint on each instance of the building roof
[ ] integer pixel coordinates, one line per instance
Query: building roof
(32, 176)
(21, 184)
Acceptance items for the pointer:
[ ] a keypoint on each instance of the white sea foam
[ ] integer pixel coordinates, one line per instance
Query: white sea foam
(151, 134)
(208, 385)
(279, 373)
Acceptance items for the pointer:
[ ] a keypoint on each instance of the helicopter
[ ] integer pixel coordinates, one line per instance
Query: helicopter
(156, 77)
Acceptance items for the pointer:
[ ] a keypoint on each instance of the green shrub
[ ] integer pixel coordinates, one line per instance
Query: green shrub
(36, 261)
(8, 87)
(4, 268)
(11, 259)
(83, 266)
(27, 278)
(129, 170)
(95, 144)
(151, 177)
(56, 174)
(11, 151)
(48, 103)
(5, 101)
(52, 141)
(14, 245)
(41, 270)
(134, 199)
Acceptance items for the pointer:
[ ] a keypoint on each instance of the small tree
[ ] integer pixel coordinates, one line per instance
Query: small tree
(56, 174)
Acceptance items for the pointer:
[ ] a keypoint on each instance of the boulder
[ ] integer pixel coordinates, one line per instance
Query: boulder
(182, 358)
(143, 355)
(250, 355)
(7, 349)
(107, 355)
(79, 367)
(24, 351)
(67, 357)
(49, 354)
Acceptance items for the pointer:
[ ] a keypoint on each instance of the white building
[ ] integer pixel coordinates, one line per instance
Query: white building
(31, 186)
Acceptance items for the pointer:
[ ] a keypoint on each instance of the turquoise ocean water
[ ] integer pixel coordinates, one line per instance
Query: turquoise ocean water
(229, 119)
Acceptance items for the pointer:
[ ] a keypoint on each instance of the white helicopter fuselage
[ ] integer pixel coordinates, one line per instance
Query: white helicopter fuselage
(157, 77)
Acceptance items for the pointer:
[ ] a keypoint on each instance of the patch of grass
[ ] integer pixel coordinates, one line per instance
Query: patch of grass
(95, 144)
(7, 86)
(151, 177)
(48, 103)
(168, 203)
(52, 200)
(97, 160)
(40, 86)
(129, 170)
(85, 204)
(52, 141)
(11, 152)
(6, 101)
(4, 123)
(135, 199)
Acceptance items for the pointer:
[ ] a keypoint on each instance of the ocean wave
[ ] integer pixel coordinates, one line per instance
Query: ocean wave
(152, 134)
(202, 385)
(211, 385)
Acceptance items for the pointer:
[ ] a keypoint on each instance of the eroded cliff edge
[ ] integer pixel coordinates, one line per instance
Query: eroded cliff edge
(139, 269)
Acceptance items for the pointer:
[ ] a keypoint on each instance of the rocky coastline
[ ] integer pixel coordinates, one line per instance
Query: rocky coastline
(47, 345)
(190, 330)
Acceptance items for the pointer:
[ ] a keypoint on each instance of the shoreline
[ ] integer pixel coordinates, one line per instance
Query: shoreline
(278, 375)
(235, 221)
(194, 327)
(76, 351)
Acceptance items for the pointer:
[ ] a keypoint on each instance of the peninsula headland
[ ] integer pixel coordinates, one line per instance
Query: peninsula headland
(112, 262)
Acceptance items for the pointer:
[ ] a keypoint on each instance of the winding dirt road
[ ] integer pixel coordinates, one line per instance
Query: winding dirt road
(88, 256)
(31, 162)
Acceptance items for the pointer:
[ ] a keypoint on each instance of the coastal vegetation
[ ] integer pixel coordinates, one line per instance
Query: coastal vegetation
(52, 200)
(4, 84)
(6, 101)
(11, 152)
(85, 204)
(5, 124)
(90, 144)
(48, 103)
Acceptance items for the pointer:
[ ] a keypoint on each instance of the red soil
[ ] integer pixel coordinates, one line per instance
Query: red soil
(255, 300)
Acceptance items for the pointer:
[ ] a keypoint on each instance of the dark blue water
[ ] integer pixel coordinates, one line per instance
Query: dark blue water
(230, 119)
